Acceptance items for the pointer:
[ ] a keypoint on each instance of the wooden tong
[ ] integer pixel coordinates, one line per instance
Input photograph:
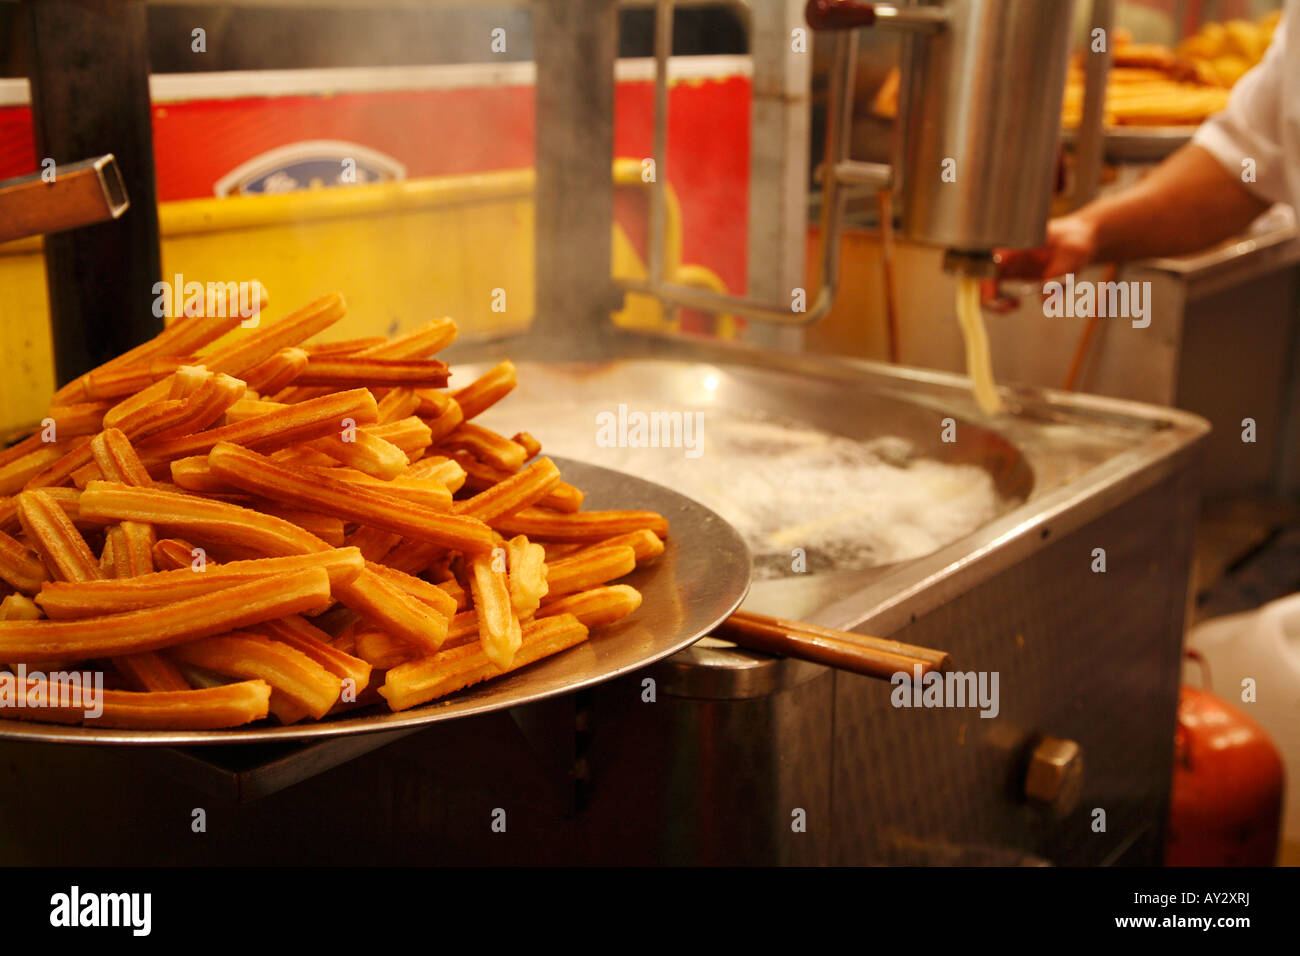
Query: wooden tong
(870, 656)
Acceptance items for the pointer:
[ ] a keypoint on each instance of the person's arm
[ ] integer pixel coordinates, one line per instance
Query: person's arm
(1186, 203)
(1195, 198)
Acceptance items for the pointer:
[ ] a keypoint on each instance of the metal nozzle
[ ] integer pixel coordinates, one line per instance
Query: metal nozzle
(977, 265)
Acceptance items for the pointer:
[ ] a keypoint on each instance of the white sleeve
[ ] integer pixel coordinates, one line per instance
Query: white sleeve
(1251, 125)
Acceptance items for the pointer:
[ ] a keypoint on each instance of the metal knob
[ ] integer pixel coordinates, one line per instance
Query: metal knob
(1055, 774)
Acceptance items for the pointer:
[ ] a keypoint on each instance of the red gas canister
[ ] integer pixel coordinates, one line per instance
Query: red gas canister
(1226, 806)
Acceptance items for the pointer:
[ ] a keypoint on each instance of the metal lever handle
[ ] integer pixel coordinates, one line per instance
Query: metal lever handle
(852, 14)
(79, 194)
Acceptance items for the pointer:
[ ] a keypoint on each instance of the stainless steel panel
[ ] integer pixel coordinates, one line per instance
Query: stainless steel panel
(1092, 657)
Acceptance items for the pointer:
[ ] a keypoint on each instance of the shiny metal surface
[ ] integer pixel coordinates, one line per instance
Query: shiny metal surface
(1090, 147)
(986, 95)
(699, 580)
(1138, 144)
(1057, 460)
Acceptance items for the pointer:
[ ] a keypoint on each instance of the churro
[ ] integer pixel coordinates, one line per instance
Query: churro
(15, 474)
(257, 473)
(306, 638)
(399, 403)
(644, 543)
(390, 608)
(532, 447)
(436, 468)
(512, 494)
(585, 526)
(363, 452)
(315, 418)
(20, 567)
(485, 445)
(210, 708)
(596, 606)
(253, 656)
(382, 650)
(67, 600)
(422, 680)
(580, 572)
(294, 329)
(167, 624)
(484, 392)
(352, 371)
(116, 459)
(201, 519)
(60, 545)
(526, 575)
(277, 371)
(498, 626)
(132, 549)
(82, 418)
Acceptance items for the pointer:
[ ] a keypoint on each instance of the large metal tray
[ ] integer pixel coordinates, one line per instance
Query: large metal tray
(1139, 144)
(700, 579)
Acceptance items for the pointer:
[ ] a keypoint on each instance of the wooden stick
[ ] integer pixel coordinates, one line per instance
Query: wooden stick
(871, 656)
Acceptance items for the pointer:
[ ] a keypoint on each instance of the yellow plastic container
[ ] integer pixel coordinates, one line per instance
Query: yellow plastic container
(401, 253)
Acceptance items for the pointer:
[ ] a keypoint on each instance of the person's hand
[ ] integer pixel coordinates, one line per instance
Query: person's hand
(1071, 245)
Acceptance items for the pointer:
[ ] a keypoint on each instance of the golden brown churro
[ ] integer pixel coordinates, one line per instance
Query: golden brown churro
(68, 600)
(211, 708)
(257, 473)
(512, 494)
(597, 606)
(422, 680)
(20, 567)
(117, 460)
(498, 626)
(484, 392)
(56, 538)
(485, 445)
(252, 656)
(351, 371)
(166, 625)
(585, 526)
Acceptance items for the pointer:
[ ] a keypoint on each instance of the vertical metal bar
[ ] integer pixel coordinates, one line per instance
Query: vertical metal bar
(839, 134)
(576, 43)
(658, 199)
(1091, 143)
(778, 162)
(89, 72)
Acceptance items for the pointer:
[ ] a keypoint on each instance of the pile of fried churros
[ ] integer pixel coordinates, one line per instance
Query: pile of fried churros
(229, 524)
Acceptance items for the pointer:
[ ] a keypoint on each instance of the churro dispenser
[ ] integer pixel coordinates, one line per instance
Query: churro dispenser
(980, 107)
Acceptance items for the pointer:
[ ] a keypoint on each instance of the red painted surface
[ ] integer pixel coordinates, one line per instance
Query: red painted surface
(444, 132)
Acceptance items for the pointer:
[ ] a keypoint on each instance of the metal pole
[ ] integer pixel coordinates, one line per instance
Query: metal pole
(576, 44)
(89, 72)
(1091, 143)
(658, 199)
